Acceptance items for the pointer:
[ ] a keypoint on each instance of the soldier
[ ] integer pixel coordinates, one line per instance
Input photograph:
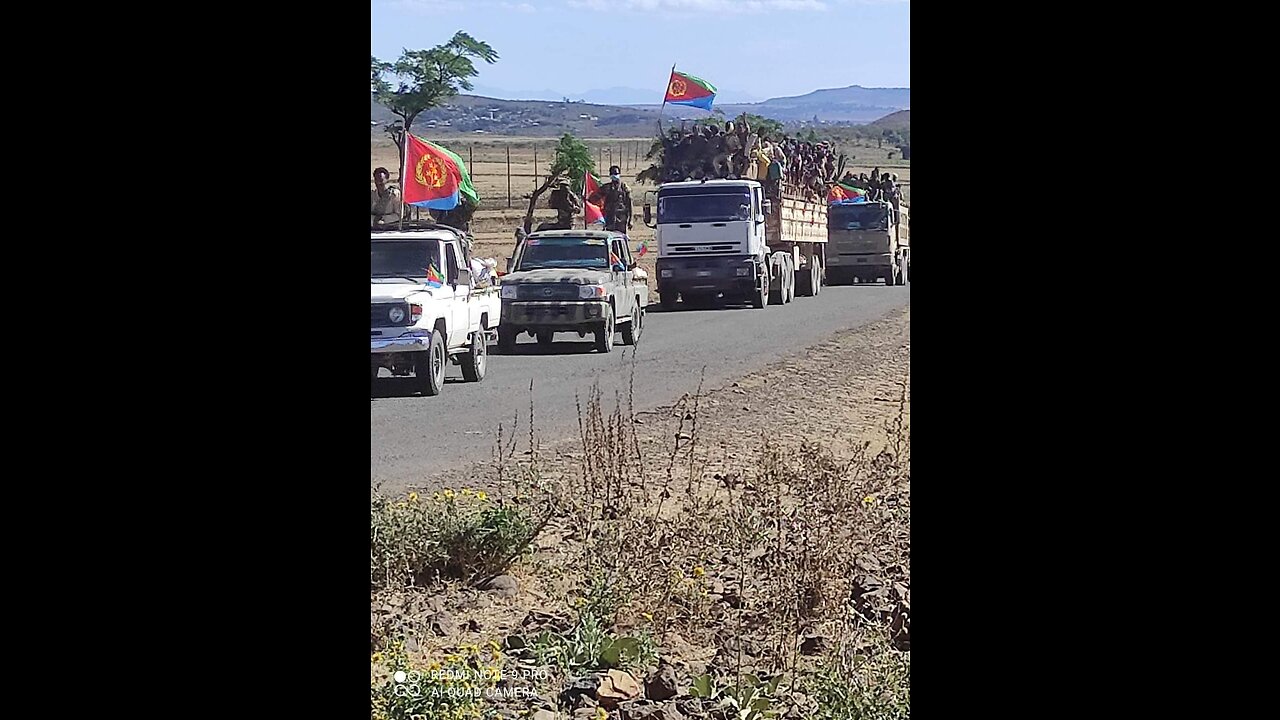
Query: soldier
(566, 203)
(617, 202)
(384, 199)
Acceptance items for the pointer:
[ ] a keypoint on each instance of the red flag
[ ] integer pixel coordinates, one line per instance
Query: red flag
(432, 177)
(593, 212)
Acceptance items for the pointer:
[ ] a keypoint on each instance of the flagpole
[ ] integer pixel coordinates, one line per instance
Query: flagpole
(404, 166)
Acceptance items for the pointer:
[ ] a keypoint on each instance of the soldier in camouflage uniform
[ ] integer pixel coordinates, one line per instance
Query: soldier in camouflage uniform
(384, 199)
(617, 202)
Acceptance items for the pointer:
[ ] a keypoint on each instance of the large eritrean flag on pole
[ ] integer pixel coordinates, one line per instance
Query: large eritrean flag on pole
(685, 89)
(435, 177)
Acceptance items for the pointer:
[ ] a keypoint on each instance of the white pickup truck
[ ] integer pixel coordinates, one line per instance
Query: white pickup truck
(425, 307)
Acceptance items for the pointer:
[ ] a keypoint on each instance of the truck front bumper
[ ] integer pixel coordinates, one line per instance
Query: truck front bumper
(860, 265)
(736, 275)
(567, 315)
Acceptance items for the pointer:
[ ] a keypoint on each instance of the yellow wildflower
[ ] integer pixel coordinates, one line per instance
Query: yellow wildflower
(448, 494)
(870, 500)
(482, 496)
(413, 497)
(699, 572)
(377, 658)
(601, 714)
(647, 616)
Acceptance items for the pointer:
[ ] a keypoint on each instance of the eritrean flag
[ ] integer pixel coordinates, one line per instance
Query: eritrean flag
(433, 277)
(593, 212)
(642, 249)
(685, 89)
(436, 177)
(846, 193)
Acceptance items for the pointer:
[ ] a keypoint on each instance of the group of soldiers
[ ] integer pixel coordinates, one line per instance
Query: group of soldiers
(613, 198)
(879, 186)
(735, 152)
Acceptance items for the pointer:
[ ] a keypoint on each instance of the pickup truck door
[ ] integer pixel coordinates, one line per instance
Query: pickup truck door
(459, 317)
(622, 298)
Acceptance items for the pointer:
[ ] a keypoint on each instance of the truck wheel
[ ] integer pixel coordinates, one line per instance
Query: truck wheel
(818, 275)
(760, 299)
(889, 280)
(631, 331)
(474, 363)
(668, 300)
(899, 271)
(604, 336)
(507, 339)
(545, 337)
(428, 367)
(777, 288)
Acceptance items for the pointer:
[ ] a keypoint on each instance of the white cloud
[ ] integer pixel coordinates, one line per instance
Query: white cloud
(433, 7)
(717, 6)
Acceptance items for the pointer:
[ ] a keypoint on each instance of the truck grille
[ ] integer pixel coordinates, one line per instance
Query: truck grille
(379, 315)
(559, 291)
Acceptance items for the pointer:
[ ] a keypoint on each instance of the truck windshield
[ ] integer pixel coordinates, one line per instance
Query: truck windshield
(858, 216)
(564, 252)
(704, 208)
(403, 258)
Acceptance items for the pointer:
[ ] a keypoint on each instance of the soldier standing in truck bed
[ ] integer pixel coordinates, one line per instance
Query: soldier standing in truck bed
(566, 203)
(617, 202)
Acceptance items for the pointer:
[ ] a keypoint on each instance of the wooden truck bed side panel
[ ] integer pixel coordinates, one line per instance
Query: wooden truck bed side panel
(795, 221)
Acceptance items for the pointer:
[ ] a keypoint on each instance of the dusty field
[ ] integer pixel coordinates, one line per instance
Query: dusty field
(732, 455)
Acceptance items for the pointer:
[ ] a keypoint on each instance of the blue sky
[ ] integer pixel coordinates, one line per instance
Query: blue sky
(756, 48)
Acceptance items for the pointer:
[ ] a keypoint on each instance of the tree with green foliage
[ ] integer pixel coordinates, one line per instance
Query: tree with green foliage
(424, 79)
(573, 161)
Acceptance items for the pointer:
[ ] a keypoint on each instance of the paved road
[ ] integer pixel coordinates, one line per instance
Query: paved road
(410, 435)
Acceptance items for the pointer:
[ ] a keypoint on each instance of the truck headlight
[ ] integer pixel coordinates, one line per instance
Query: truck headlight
(744, 271)
(666, 273)
(396, 315)
(508, 291)
(592, 292)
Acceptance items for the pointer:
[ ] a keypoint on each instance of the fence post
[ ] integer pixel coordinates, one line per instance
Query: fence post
(508, 176)
(471, 158)
(535, 164)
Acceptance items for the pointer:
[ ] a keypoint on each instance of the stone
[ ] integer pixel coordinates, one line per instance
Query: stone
(503, 585)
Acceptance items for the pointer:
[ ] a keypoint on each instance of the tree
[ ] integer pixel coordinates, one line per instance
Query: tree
(573, 160)
(424, 79)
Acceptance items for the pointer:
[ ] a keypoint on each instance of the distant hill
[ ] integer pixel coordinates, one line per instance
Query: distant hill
(854, 105)
(900, 120)
(849, 104)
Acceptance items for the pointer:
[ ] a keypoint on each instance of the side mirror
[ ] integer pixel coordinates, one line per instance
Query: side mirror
(510, 260)
(461, 277)
(768, 207)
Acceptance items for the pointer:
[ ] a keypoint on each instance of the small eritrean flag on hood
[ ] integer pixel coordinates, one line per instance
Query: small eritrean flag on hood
(433, 277)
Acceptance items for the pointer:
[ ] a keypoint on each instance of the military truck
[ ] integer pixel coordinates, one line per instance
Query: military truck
(577, 281)
(723, 239)
(868, 241)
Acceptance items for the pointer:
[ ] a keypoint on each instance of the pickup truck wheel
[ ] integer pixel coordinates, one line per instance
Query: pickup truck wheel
(545, 337)
(428, 367)
(631, 331)
(506, 339)
(604, 336)
(668, 300)
(474, 363)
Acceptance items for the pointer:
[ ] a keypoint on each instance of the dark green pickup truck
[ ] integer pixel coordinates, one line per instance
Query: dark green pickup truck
(579, 281)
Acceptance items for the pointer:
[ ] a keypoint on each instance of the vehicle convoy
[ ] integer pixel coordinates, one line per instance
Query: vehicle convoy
(722, 239)
(425, 307)
(869, 241)
(577, 281)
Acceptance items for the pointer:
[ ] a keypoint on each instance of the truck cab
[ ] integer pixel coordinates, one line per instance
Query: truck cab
(868, 241)
(425, 308)
(711, 241)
